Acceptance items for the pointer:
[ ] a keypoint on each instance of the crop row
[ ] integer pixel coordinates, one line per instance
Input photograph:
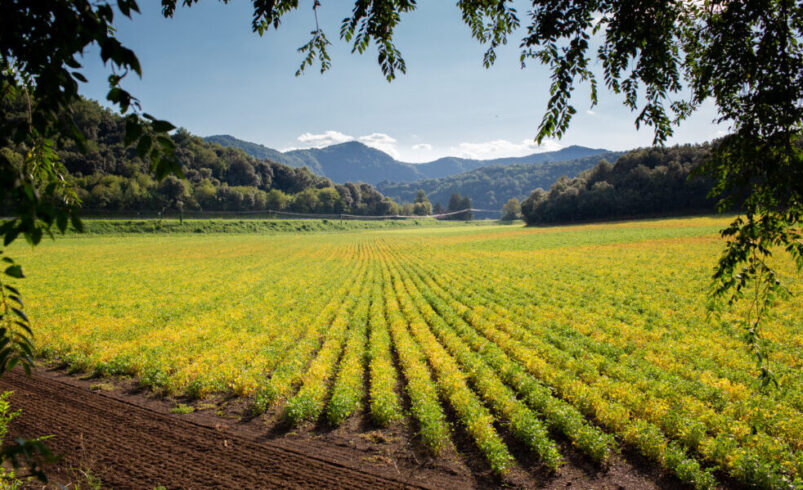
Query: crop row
(594, 339)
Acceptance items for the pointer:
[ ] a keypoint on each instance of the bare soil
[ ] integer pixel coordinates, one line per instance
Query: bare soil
(127, 437)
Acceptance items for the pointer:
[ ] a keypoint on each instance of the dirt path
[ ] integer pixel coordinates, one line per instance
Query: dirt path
(128, 446)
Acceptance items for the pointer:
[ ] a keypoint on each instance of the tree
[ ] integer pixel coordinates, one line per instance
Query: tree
(242, 173)
(745, 56)
(277, 200)
(455, 202)
(305, 202)
(329, 201)
(421, 205)
(511, 210)
(466, 204)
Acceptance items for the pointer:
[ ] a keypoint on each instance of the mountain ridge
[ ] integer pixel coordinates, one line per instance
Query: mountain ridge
(354, 161)
(489, 187)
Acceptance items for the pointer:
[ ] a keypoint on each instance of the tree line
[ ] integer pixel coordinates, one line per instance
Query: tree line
(644, 182)
(110, 176)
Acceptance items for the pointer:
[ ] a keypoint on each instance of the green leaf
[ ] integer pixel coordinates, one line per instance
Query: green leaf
(162, 126)
(36, 236)
(133, 130)
(29, 192)
(61, 221)
(20, 314)
(24, 327)
(76, 222)
(15, 271)
(144, 145)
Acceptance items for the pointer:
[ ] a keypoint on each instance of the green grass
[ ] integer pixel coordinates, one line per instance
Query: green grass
(182, 408)
(260, 226)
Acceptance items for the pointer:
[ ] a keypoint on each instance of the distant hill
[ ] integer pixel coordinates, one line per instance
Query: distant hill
(447, 166)
(490, 187)
(255, 150)
(353, 161)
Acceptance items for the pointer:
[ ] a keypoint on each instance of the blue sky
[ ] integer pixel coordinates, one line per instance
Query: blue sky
(205, 70)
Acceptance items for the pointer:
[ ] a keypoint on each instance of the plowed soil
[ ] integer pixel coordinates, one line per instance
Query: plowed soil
(129, 439)
(133, 447)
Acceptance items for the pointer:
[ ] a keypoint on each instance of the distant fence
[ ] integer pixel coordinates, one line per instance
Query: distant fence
(273, 214)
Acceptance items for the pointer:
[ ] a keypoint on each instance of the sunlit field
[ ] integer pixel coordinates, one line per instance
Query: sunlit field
(595, 334)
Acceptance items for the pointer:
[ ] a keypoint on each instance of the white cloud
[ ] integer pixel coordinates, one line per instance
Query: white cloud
(424, 152)
(503, 148)
(382, 142)
(320, 140)
(591, 113)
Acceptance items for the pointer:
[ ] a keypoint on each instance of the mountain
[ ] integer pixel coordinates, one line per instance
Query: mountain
(447, 166)
(255, 150)
(491, 186)
(353, 161)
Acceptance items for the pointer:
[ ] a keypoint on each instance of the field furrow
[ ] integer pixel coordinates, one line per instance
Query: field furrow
(452, 384)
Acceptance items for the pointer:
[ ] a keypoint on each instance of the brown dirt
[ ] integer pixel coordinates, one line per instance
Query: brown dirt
(127, 438)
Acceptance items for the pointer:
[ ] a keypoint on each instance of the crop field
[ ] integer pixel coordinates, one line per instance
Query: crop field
(597, 335)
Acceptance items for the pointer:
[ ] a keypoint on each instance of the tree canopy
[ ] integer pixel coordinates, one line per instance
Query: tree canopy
(645, 182)
(111, 178)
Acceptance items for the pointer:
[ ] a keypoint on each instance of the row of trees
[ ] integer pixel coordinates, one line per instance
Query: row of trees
(140, 193)
(651, 181)
(111, 177)
(421, 206)
(457, 203)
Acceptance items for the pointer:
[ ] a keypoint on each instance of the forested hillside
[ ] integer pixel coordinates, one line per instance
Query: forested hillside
(256, 150)
(112, 178)
(490, 187)
(354, 161)
(644, 182)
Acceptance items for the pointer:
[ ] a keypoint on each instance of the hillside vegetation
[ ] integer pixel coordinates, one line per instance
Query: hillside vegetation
(112, 178)
(490, 187)
(646, 182)
(354, 161)
(268, 226)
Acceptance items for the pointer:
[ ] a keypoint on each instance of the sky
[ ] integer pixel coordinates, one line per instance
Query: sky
(205, 70)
